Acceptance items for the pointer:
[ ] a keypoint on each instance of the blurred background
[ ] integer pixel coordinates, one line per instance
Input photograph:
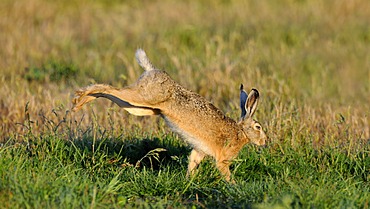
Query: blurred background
(310, 60)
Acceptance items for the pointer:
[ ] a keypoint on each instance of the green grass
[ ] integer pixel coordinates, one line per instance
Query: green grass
(308, 59)
(50, 172)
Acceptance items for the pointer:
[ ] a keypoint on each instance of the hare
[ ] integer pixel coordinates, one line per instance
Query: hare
(199, 122)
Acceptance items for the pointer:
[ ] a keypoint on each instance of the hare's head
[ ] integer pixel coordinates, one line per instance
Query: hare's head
(248, 105)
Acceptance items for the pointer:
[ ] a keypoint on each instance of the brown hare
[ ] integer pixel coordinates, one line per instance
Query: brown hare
(198, 121)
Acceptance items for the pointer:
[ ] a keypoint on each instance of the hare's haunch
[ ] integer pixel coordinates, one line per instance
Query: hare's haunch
(198, 121)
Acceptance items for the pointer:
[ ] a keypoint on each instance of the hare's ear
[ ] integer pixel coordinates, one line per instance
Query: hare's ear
(252, 103)
(243, 100)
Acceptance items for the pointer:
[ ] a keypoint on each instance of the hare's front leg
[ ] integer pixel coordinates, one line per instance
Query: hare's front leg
(223, 167)
(194, 160)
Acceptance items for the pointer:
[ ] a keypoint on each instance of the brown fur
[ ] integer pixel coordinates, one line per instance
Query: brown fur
(198, 121)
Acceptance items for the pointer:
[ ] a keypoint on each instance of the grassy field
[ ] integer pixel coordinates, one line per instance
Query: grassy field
(310, 60)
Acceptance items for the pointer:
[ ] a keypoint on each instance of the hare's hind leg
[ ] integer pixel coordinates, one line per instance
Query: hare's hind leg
(194, 160)
(127, 98)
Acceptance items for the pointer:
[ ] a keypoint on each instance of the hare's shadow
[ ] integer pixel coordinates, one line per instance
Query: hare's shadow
(139, 152)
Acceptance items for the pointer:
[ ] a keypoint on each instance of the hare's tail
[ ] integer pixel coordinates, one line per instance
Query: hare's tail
(143, 60)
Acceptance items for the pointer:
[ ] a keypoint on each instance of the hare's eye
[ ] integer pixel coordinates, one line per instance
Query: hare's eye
(258, 127)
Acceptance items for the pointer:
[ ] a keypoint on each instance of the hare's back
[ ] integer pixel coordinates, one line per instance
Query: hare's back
(155, 86)
(200, 123)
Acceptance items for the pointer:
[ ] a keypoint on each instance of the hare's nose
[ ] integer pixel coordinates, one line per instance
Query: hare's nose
(263, 142)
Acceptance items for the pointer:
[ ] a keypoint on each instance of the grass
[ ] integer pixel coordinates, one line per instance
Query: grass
(308, 59)
(52, 172)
